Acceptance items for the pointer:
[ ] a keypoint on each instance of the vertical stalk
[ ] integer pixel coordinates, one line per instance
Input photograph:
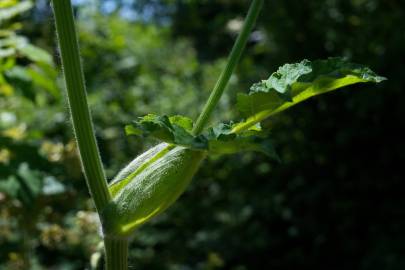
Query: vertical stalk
(233, 60)
(116, 251)
(77, 100)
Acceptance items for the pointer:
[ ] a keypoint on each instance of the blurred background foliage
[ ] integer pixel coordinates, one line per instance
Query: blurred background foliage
(336, 201)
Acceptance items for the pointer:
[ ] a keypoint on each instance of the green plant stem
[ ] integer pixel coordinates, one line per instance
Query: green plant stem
(259, 117)
(116, 251)
(250, 122)
(233, 60)
(77, 100)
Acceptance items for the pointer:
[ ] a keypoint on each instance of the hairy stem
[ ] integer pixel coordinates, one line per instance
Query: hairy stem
(116, 251)
(77, 100)
(233, 60)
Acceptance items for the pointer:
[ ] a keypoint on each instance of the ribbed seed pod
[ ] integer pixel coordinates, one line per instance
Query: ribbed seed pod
(152, 182)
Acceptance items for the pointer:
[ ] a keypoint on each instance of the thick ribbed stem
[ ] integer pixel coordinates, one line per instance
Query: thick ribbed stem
(76, 92)
(116, 251)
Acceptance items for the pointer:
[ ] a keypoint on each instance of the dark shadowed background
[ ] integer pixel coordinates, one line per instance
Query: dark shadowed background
(335, 202)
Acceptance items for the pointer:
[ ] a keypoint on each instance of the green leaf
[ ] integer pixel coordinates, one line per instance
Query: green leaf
(243, 144)
(51, 186)
(4, 53)
(174, 130)
(219, 140)
(182, 121)
(31, 184)
(282, 80)
(35, 54)
(294, 83)
(222, 131)
(25, 186)
(12, 9)
(11, 186)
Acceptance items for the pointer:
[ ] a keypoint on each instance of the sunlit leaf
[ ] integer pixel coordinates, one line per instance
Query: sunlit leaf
(6, 90)
(173, 130)
(44, 80)
(36, 54)
(294, 83)
(9, 9)
(7, 3)
(222, 140)
(218, 140)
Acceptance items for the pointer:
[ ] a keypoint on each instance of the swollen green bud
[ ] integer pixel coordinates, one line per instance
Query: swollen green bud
(148, 186)
(127, 174)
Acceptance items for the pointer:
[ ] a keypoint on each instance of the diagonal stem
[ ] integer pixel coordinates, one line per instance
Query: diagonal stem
(233, 60)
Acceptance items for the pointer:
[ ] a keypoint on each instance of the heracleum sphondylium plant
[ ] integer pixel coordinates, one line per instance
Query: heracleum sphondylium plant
(155, 179)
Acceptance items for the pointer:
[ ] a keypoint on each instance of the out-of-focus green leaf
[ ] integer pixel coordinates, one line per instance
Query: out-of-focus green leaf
(6, 89)
(31, 183)
(10, 186)
(20, 152)
(25, 185)
(36, 54)
(9, 9)
(6, 52)
(52, 186)
(294, 83)
(7, 64)
(42, 79)
(19, 72)
(7, 3)
(34, 75)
